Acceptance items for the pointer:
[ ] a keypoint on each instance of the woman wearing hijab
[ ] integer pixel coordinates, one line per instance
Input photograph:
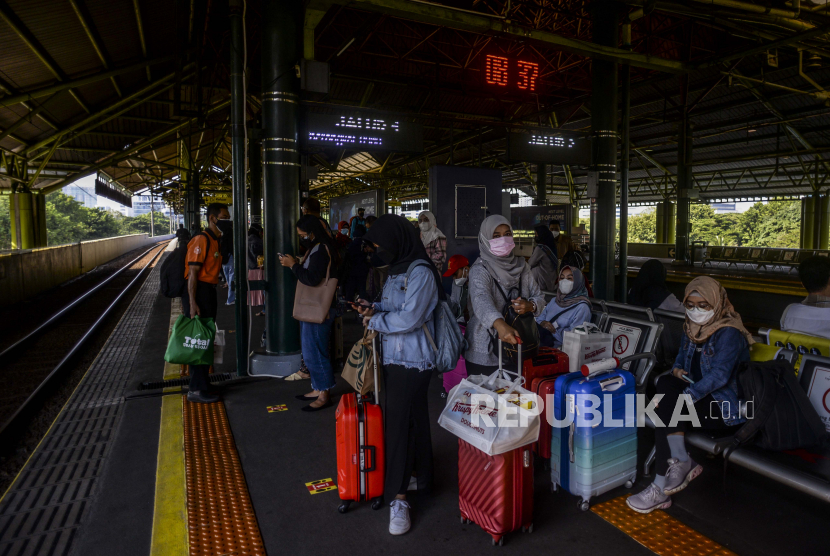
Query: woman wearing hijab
(544, 262)
(342, 238)
(569, 309)
(314, 338)
(497, 269)
(407, 303)
(358, 263)
(434, 240)
(649, 289)
(714, 344)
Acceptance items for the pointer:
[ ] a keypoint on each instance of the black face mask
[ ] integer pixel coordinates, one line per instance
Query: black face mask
(385, 255)
(306, 242)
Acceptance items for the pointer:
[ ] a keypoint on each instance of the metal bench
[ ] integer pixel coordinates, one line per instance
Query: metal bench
(715, 254)
(771, 258)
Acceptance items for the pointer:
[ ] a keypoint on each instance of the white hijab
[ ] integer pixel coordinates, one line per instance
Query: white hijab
(433, 232)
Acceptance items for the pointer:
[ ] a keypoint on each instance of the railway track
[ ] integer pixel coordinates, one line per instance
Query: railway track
(52, 355)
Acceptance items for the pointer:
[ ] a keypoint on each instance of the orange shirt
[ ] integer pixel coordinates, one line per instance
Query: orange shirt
(203, 252)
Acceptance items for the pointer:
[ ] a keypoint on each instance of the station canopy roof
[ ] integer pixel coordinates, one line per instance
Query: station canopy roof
(138, 90)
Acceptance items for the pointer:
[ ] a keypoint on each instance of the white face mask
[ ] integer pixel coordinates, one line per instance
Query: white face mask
(460, 281)
(555, 233)
(424, 226)
(566, 286)
(699, 316)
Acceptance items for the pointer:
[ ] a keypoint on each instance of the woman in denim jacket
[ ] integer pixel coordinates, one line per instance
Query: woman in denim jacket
(715, 343)
(407, 303)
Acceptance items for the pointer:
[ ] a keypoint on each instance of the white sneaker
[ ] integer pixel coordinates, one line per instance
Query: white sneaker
(413, 483)
(399, 522)
(652, 498)
(680, 474)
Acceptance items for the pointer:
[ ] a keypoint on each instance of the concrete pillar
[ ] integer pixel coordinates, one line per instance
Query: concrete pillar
(240, 204)
(281, 30)
(625, 157)
(808, 222)
(27, 213)
(255, 166)
(606, 28)
(665, 222)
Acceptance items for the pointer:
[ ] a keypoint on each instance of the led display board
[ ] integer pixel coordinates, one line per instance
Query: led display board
(363, 133)
(525, 218)
(549, 147)
(508, 74)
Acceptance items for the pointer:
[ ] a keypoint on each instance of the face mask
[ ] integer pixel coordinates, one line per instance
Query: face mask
(425, 226)
(306, 242)
(460, 281)
(566, 286)
(555, 233)
(344, 231)
(502, 246)
(699, 316)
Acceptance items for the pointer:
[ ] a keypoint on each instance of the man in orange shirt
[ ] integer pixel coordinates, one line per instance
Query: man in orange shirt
(204, 263)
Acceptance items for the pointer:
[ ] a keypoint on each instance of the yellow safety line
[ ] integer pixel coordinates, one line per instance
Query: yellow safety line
(748, 283)
(658, 531)
(169, 536)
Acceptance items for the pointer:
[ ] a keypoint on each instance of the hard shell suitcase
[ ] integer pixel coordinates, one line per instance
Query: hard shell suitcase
(453, 377)
(360, 447)
(496, 492)
(548, 361)
(544, 388)
(590, 459)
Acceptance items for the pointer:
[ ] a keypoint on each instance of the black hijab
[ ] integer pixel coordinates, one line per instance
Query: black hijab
(649, 289)
(546, 238)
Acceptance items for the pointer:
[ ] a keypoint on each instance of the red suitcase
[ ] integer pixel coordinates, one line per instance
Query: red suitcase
(547, 362)
(496, 492)
(360, 448)
(543, 387)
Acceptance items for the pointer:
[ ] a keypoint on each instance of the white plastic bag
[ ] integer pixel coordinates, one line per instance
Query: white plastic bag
(586, 344)
(504, 416)
(218, 347)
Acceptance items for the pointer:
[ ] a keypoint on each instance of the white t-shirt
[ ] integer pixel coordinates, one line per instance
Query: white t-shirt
(671, 303)
(806, 319)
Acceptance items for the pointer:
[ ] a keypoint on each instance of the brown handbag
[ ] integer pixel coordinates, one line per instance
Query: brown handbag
(312, 303)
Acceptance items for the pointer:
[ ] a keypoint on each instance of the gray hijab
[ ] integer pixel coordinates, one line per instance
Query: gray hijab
(505, 269)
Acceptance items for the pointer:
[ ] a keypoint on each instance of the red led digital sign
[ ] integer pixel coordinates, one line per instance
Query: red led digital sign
(507, 74)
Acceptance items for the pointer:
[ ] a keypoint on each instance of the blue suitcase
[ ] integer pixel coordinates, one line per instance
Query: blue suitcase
(590, 459)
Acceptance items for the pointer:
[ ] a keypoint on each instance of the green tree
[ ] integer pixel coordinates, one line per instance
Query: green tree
(141, 224)
(5, 223)
(775, 224)
(68, 221)
(642, 228)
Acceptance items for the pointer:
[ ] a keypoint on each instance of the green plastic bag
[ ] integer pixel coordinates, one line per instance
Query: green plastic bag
(191, 342)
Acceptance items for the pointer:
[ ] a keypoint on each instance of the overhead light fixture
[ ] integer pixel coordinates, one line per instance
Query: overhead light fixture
(348, 44)
(750, 131)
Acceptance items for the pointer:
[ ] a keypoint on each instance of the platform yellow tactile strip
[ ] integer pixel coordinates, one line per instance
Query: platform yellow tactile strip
(220, 515)
(658, 531)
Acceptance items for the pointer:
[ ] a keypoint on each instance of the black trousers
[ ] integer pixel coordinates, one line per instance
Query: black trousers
(406, 425)
(207, 302)
(476, 369)
(707, 411)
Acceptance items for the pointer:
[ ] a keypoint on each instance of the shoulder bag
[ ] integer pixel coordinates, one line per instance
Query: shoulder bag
(312, 303)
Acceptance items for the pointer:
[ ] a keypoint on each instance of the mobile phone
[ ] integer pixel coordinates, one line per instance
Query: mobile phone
(280, 255)
(687, 379)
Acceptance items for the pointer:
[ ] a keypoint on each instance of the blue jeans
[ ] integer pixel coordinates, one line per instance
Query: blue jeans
(315, 346)
(228, 270)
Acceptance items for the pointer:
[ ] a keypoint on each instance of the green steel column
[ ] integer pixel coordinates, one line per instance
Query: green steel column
(281, 34)
(684, 186)
(671, 219)
(660, 223)
(22, 216)
(240, 197)
(625, 157)
(824, 225)
(542, 186)
(606, 19)
(808, 214)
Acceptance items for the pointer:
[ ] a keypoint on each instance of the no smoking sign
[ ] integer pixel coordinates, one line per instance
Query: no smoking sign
(620, 344)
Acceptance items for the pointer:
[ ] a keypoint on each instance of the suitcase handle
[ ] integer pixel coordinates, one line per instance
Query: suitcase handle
(375, 369)
(369, 450)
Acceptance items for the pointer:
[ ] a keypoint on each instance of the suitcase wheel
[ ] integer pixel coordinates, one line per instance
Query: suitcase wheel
(583, 505)
(499, 542)
(344, 507)
(377, 503)
(528, 529)
(629, 484)
(464, 520)
(443, 395)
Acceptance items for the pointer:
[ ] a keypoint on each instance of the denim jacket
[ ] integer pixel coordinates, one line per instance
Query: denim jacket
(399, 316)
(722, 353)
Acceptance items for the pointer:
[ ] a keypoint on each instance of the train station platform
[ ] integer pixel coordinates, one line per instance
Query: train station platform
(144, 472)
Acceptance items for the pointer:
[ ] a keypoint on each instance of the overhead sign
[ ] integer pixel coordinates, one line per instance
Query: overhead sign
(364, 133)
(226, 198)
(510, 74)
(526, 218)
(549, 147)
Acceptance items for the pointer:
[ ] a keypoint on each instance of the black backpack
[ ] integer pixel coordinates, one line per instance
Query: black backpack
(782, 417)
(525, 325)
(172, 282)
